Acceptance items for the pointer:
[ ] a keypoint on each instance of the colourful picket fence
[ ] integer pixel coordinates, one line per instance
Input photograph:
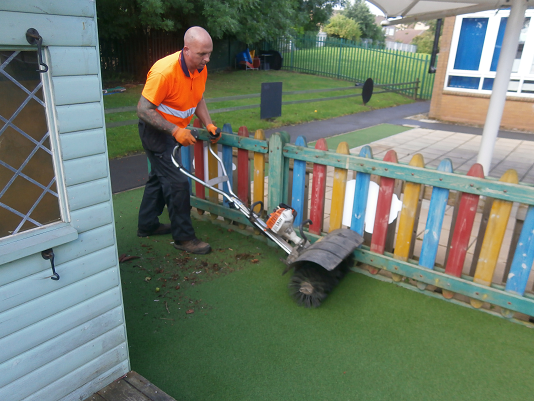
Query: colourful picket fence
(402, 264)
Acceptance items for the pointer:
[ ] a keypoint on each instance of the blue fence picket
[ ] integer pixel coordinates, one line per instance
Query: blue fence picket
(436, 212)
(361, 192)
(227, 159)
(299, 184)
(523, 257)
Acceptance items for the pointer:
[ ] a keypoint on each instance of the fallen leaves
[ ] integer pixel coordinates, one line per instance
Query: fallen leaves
(126, 258)
(243, 256)
(190, 311)
(147, 279)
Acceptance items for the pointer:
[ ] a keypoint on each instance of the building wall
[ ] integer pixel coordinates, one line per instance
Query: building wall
(65, 339)
(472, 109)
(469, 108)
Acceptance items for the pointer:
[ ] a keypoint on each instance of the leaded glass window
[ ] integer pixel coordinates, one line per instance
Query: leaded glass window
(28, 190)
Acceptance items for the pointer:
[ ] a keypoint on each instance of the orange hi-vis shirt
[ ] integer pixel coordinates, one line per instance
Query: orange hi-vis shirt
(174, 89)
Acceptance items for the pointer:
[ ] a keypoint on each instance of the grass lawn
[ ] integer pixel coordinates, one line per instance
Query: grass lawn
(124, 140)
(223, 327)
(384, 66)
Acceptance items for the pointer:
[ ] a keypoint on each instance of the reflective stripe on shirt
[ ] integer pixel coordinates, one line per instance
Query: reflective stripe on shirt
(176, 113)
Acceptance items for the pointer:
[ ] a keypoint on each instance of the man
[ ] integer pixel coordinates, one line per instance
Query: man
(173, 92)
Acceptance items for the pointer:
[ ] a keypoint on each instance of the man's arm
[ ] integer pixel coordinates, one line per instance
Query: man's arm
(146, 111)
(202, 112)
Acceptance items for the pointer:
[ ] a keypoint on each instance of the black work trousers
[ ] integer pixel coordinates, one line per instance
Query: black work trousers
(165, 186)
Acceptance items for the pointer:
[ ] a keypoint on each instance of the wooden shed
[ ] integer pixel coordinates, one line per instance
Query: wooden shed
(62, 334)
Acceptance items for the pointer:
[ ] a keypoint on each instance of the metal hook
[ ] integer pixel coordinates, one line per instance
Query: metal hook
(302, 231)
(49, 255)
(33, 38)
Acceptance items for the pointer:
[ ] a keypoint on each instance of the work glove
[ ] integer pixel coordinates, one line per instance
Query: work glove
(215, 133)
(183, 136)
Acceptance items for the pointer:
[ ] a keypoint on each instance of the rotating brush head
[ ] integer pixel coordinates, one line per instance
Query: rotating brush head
(309, 286)
(311, 283)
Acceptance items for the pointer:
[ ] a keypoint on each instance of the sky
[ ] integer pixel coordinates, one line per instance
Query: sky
(375, 10)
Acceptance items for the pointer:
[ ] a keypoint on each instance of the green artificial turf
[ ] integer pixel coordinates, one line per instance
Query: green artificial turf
(364, 136)
(245, 339)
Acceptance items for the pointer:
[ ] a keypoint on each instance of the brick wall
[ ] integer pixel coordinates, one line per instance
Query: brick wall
(470, 108)
(443, 59)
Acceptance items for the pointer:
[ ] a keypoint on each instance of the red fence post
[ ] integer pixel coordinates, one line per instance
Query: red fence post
(318, 192)
(385, 194)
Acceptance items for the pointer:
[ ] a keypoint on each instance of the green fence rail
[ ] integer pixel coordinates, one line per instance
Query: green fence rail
(354, 61)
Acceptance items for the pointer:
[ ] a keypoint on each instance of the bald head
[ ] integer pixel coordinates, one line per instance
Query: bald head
(197, 48)
(196, 34)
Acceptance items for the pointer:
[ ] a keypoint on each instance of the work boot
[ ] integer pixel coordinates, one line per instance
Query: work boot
(162, 229)
(193, 246)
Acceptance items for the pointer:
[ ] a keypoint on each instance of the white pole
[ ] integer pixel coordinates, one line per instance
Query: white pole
(500, 85)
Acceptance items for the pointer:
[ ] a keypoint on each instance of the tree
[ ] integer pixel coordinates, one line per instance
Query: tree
(313, 13)
(116, 18)
(343, 27)
(359, 12)
(425, 41)
(247, 20)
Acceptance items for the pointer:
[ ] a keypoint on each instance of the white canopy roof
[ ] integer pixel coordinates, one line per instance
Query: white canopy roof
(423, 10)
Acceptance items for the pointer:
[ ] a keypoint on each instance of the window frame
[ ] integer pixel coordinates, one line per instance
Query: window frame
(54, 234)
(527, 59)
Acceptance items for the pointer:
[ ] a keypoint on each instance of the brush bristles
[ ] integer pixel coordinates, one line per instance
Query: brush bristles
(311, 283)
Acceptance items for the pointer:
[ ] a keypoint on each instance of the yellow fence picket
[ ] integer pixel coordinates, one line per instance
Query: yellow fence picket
(338, 190)
(407, 216)
(493, 238)
(258, 192)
